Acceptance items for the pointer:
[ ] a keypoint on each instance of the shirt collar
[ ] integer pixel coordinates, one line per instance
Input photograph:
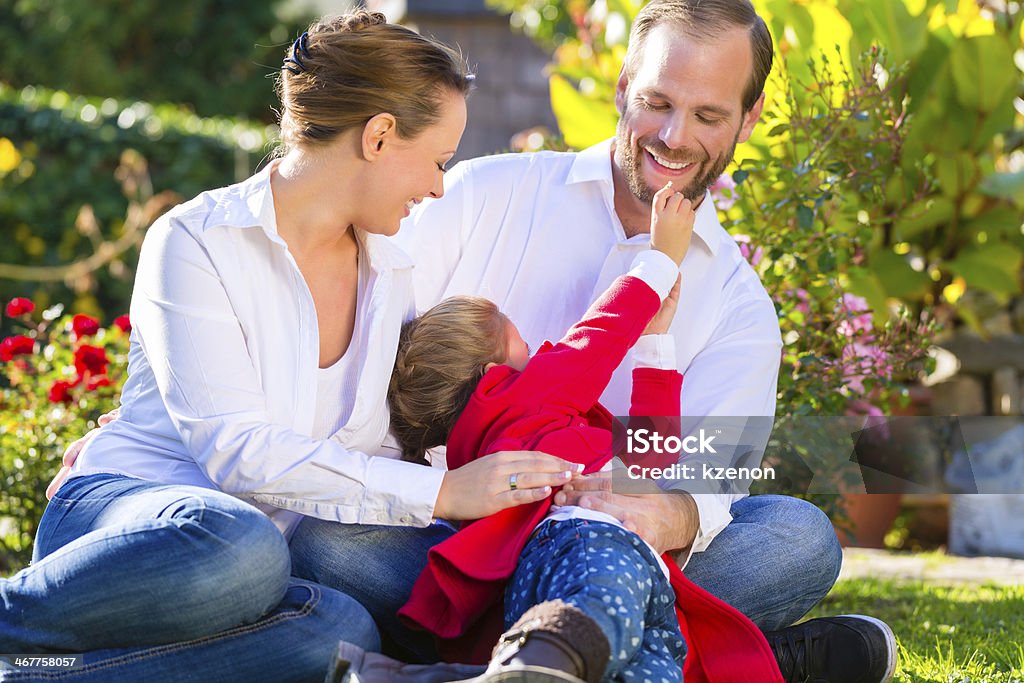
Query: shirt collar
(594, 164)
(250, 204)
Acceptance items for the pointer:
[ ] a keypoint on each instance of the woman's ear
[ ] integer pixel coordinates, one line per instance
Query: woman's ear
(378, 133)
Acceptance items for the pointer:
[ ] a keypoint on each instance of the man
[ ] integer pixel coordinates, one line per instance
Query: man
(543, 234)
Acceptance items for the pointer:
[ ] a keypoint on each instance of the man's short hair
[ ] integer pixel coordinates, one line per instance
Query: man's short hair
(705, 20)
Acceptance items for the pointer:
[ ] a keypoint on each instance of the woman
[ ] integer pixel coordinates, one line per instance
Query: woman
(164, 555)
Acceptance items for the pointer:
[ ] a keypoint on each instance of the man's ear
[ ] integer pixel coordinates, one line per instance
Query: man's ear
(378, 132)
(620, 91)
(750, 119)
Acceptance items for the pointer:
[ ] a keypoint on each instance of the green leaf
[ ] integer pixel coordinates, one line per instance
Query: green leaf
(583, 121)
(993, 267)
(923, 215)
(983, 71)
(1000, 220)
(1004, 186)
(896, 277)
(888, 24)
(957, 174)
(805, 217)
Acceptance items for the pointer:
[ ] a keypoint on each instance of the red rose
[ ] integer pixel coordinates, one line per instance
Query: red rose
(124, 323)
(60, 392)
(18, 345)
(84, 325)
(97, 382)
(20, 306)
(91, 359)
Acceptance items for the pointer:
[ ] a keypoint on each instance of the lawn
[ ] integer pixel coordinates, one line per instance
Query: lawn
(947, 633)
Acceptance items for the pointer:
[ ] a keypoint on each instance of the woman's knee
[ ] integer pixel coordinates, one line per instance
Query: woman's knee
(238, 561)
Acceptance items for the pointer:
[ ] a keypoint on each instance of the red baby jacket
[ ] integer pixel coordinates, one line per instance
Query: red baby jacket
(552, 406)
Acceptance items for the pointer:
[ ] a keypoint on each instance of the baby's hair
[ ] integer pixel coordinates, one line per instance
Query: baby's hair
(441, 357)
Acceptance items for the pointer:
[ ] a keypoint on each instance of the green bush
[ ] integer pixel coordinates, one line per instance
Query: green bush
(213, 54)
(59, 153)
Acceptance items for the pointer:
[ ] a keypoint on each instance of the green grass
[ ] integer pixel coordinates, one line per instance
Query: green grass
(946, 634)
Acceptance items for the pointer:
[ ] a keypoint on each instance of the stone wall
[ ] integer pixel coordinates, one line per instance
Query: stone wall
(990, 379)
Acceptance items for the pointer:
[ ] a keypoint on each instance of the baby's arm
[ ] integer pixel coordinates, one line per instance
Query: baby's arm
(576, 370)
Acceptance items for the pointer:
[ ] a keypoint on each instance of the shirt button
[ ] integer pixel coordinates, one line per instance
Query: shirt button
(406, 520)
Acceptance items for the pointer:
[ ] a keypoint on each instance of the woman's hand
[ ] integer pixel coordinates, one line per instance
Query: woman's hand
(71, 454)
(483, 487)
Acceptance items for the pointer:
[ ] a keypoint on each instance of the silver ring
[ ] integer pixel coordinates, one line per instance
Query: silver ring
(513, 482)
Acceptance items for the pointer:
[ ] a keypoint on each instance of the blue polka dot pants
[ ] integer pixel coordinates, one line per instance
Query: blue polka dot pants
(614, 578)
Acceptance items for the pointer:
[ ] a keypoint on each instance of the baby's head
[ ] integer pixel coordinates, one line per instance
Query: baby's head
(441, 357)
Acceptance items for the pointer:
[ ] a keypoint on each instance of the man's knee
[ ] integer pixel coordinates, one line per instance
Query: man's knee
(815, 539)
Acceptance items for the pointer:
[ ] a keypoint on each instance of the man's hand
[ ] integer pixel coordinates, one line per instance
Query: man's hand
(71, 454)
(668, 521)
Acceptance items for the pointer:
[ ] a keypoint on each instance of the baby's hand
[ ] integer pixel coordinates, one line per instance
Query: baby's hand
(662, 320)
(671, 223)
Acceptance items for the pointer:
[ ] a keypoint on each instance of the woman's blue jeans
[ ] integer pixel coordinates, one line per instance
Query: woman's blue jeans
(774, 562)
(169, 583)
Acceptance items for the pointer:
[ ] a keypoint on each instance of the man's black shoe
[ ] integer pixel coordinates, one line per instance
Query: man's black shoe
(848, 649)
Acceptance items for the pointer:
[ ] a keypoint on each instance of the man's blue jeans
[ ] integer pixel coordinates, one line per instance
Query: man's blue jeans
(774, 562)
(170, 583)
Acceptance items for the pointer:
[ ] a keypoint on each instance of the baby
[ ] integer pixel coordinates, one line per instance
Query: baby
(464, 377)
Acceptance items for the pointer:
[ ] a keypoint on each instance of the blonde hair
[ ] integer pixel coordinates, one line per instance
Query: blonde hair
(441, 358)
(347, 69)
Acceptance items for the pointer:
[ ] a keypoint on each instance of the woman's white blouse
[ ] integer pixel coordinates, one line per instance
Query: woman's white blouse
(222, 384)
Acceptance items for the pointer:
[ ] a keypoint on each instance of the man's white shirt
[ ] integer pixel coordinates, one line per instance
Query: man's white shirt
(538, 235)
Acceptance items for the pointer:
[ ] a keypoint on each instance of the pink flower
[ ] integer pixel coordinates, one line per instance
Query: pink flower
(804, 298)
(84, 325)
(723, 191)
(755, 256)
(20, 306)
(124, 323)
(861, 361)
(857, 316)
(18, 345)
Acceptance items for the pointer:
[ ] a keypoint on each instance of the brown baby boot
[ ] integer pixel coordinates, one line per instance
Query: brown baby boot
(552, 642)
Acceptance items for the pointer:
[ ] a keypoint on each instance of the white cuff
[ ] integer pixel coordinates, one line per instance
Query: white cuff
(400, 493)
(713, 516)
(655, 351)
(656, 269)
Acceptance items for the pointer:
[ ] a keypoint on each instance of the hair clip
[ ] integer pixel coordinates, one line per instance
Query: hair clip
(301, 44)
(470, 78)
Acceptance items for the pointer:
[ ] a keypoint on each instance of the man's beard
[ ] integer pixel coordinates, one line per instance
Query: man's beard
(707, 172)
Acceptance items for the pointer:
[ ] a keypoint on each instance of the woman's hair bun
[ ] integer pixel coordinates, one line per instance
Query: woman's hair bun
(360, 20)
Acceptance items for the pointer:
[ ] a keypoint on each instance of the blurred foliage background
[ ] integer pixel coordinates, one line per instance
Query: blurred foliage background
(189, 86)
(880, 199)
